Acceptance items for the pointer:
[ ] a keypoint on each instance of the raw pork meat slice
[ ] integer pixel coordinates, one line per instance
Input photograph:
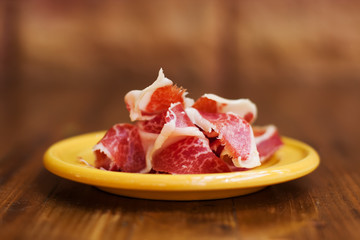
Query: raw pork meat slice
(149, 130)
(155, 99)
(268, 141)
(235, 135)
(181, 148)
(212, 103)
(190, 155)
(153, 125)
(149, 107)
(120, 150)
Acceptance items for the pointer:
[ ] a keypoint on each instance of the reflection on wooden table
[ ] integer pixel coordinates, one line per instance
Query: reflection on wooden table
(65, 67)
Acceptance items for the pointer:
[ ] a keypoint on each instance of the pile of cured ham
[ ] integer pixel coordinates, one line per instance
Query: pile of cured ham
(176, 135)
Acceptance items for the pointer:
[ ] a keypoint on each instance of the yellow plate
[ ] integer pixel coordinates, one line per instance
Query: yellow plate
(295, 159)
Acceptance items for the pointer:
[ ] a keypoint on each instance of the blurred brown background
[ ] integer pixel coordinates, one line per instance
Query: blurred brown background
(73, 43)
(102, 49)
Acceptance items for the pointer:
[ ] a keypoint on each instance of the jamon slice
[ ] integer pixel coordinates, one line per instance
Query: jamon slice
(268, 141)
(212, 103)
(235, 135)
(149, 107)
(181, 148)
(147, 139)
(190, 155)
(120, 150)
(155, 99)
(149, 130)
(153, 125)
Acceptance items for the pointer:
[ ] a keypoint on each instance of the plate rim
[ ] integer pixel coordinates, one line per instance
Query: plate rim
(181, 182)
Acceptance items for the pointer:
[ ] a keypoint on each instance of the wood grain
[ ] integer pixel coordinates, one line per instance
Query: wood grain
(51, 89)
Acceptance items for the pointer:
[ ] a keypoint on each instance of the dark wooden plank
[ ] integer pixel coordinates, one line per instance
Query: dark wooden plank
(324, 204)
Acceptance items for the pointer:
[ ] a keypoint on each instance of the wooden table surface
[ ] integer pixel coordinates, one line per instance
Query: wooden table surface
(35, 204)
(51, 89)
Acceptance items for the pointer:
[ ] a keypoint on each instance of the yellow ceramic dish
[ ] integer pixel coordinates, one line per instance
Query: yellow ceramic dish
(295, 159)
